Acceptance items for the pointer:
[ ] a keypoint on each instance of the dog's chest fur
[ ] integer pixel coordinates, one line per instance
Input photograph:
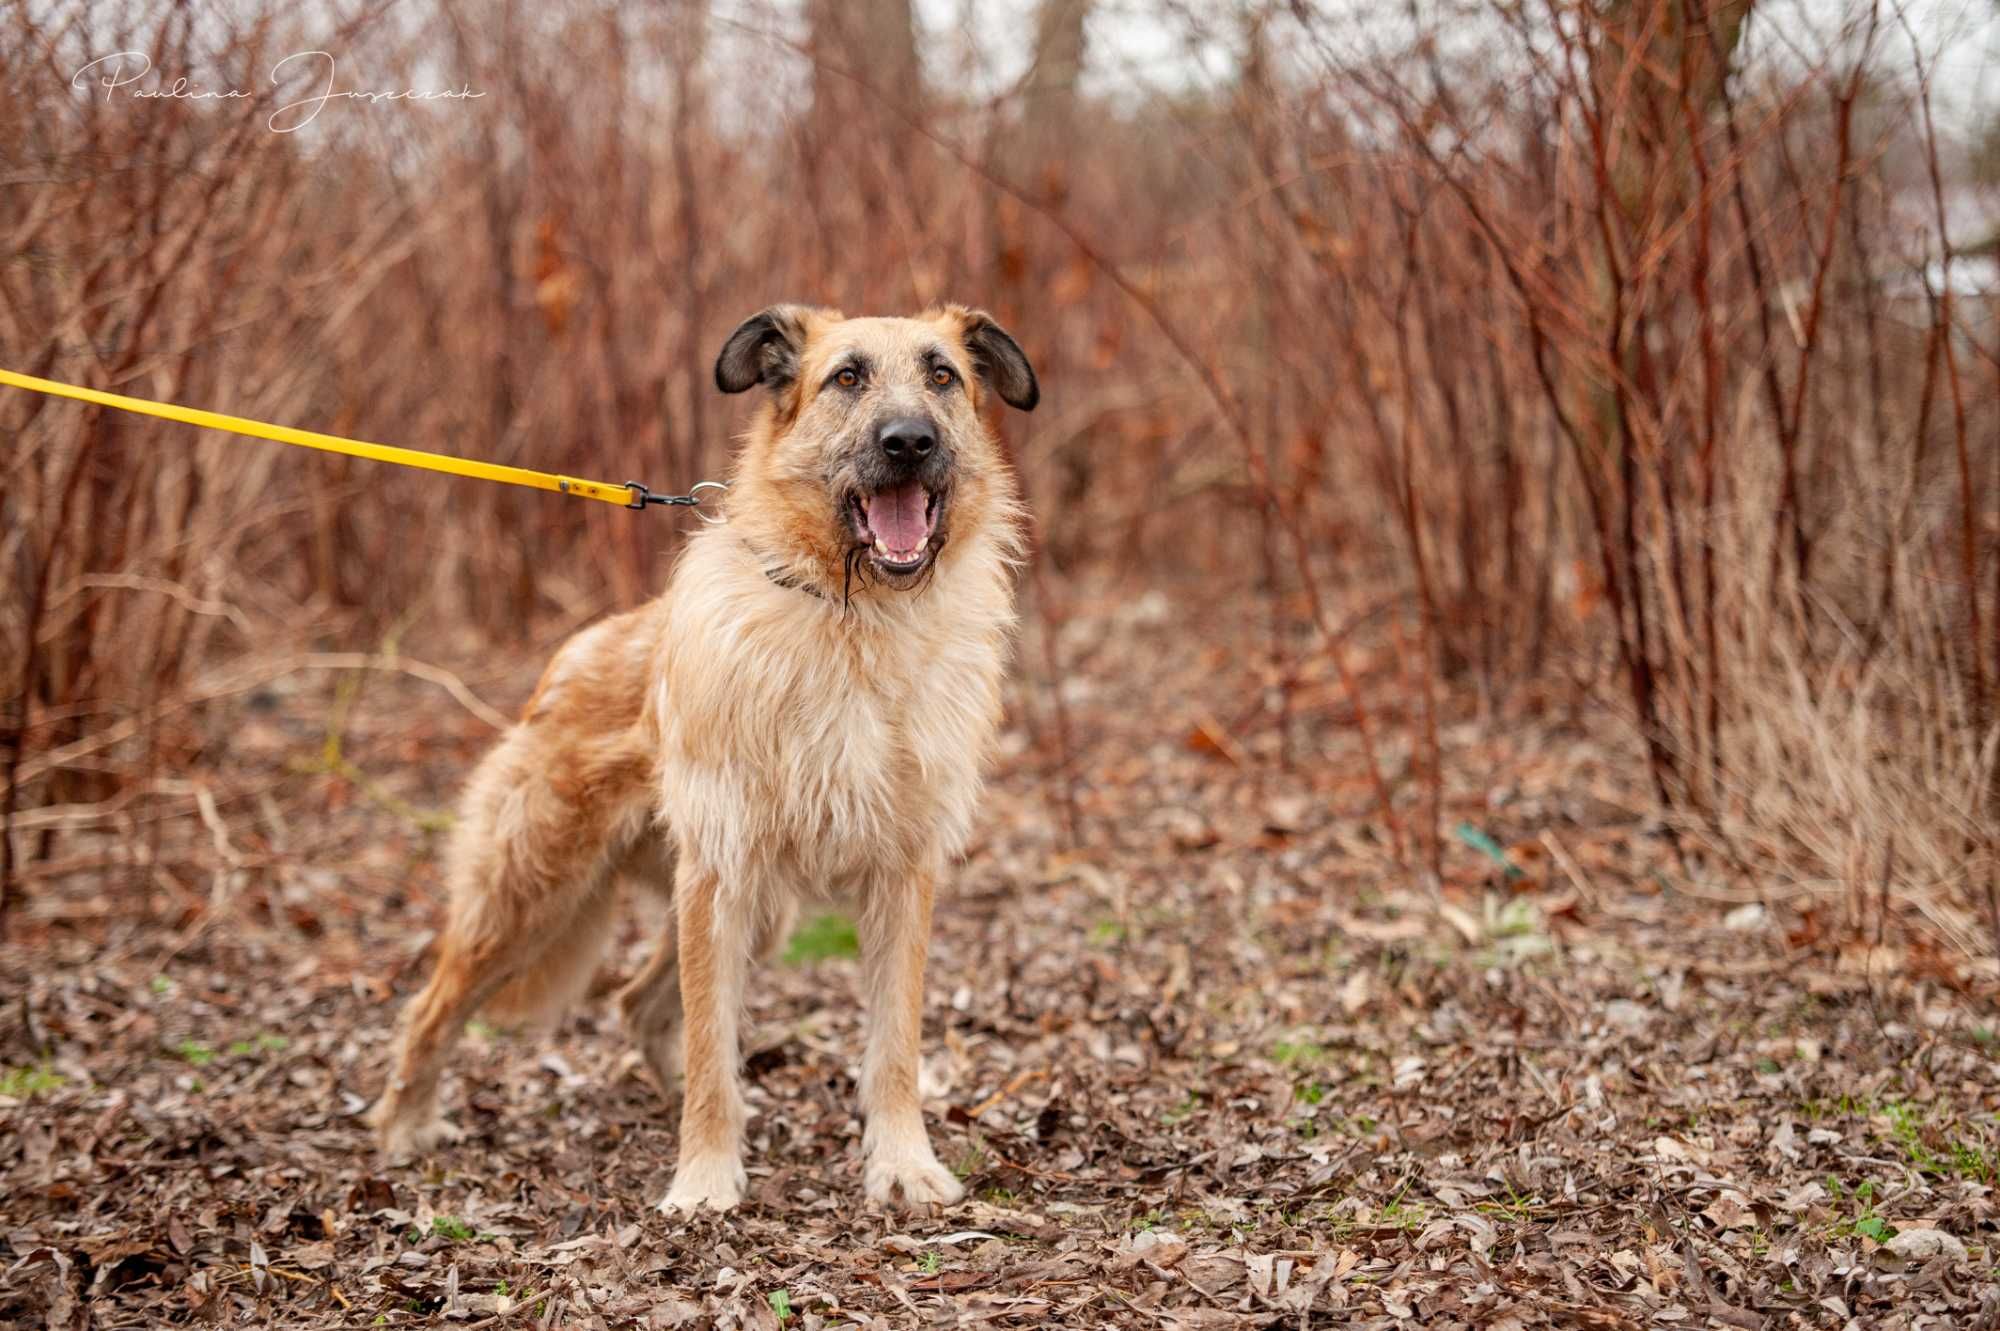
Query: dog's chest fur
(821, 748)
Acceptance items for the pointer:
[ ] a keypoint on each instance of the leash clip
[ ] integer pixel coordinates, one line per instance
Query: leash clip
(641, 496)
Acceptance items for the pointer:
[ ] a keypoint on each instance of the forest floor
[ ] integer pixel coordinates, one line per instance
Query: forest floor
(1208, 1060)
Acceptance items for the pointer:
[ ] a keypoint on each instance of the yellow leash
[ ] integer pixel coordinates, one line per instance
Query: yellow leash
(629, 495)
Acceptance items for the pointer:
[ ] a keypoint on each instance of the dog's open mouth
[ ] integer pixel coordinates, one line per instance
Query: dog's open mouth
(897, 525)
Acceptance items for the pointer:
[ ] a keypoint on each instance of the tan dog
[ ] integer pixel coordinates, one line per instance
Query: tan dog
(804, 713)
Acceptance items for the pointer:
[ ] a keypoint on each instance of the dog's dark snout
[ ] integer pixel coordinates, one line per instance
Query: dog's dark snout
(906, 439)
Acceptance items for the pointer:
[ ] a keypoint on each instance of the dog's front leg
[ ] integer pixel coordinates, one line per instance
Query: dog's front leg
(714, 953)
(896, 930)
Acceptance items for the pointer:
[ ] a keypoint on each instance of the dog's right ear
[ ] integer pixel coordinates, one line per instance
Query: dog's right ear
(764, 349)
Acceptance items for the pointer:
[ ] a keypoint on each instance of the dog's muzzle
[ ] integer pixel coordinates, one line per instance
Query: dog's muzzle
(905, 484)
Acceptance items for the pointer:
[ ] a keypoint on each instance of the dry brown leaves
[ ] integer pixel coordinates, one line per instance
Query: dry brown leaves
(1222, 1064)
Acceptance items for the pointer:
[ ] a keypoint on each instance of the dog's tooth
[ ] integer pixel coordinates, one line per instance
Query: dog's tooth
(881, 547)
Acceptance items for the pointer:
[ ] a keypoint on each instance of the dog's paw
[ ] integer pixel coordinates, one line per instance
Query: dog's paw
(716, 1183)
(921, 1180)
(404, 1142)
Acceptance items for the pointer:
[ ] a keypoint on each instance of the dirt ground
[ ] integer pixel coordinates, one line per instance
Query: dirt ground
(1214, 1061)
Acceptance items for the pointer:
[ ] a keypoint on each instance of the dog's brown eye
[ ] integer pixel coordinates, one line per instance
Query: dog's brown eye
(943, 376)
(847, 378)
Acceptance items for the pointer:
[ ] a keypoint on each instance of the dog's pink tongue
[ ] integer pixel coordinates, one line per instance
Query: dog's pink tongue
(898, 517)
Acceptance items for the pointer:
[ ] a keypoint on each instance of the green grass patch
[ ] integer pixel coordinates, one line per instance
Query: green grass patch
(1865, 1221)
(1401, 1215)
(1293, 1053)
(1950, 1149)
(524, 1297)
(1309, 1095)
(1515, 1205)
(1938, 1144)
(265, 1043)
(195, 1053)
(821, 938)
(450, 1228)
(25, 1083)
(200, 1053)
(1875, 1227)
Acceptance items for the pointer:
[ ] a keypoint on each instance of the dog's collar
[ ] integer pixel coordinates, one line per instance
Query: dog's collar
(781, 578)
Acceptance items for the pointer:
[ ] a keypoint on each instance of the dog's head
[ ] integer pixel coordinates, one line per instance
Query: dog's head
(871, 448)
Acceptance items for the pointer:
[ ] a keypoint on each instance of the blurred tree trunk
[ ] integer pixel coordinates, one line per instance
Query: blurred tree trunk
(864, 53)
(1050, 91)
(1030, 151)
(1029, 148)
(690, 47)
(867, 87)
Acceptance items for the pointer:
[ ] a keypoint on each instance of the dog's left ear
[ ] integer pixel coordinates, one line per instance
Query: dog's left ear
(764, 349)
(999, 359)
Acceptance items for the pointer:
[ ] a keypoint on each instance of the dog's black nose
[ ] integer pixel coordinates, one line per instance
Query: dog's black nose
(906, 439)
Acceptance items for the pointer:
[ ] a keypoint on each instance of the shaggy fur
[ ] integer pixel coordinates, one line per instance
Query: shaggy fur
(798, 716)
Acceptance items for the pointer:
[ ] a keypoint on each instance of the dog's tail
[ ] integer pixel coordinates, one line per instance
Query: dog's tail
(538, 997)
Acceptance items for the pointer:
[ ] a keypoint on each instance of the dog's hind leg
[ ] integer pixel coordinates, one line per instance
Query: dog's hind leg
(468, 973)
(651, 1001)
(478, 960)
(530, 866)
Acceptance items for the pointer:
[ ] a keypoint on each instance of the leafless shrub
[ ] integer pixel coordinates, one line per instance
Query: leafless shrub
(1631, 345)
